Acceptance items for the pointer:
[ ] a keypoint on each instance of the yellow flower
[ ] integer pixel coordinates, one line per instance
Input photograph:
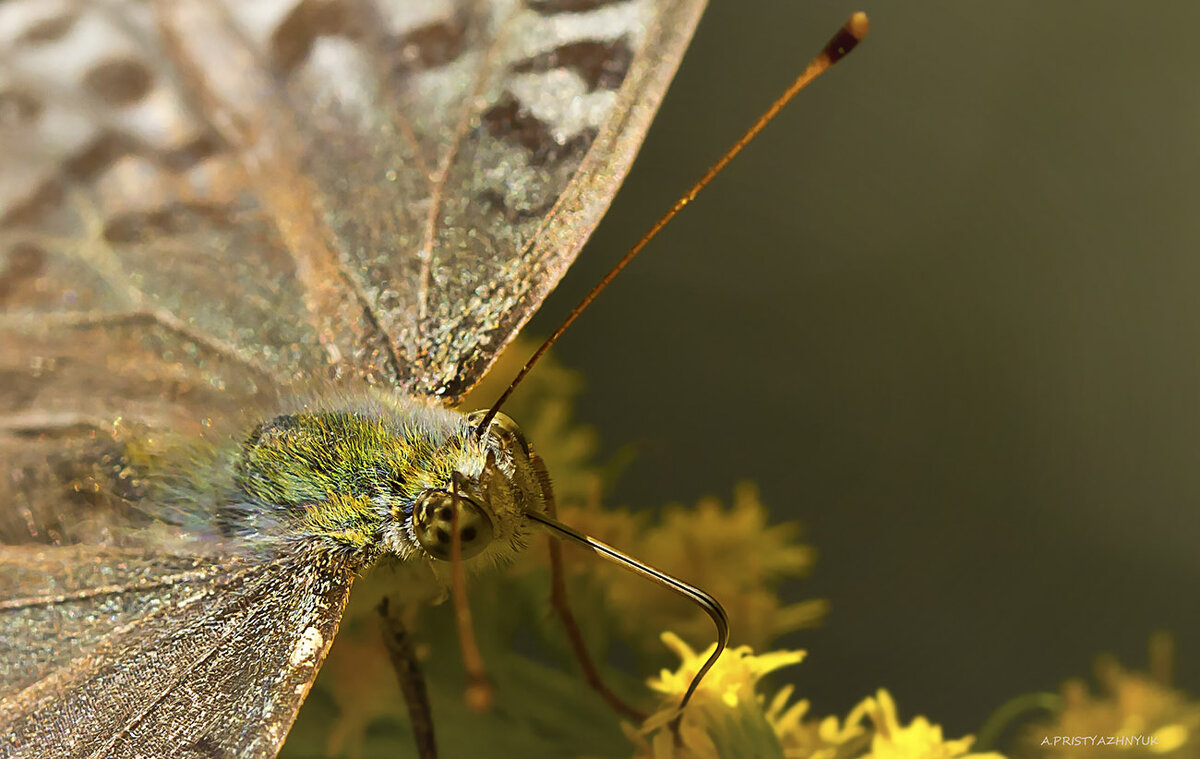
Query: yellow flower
(728, 718)
(732, 679)
(920, 739)
(1140, 708)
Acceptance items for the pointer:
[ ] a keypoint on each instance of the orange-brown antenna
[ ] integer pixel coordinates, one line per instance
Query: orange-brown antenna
(837, 48)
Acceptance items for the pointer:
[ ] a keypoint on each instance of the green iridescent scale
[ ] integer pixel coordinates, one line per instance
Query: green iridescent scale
(338, 474)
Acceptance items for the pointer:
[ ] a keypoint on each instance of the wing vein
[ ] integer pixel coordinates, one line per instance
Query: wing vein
(163, 317)
(181, 675)
(292, 203)
(116, 589)
(438, 186)
(48, 681)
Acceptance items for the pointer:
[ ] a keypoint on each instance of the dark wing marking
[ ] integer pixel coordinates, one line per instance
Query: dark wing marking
(312, 187)
(132, 655)
(509, 126)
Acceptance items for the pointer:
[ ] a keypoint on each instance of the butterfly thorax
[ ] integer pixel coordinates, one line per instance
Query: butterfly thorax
(366, 482)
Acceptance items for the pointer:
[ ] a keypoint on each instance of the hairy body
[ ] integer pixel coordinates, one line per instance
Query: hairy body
(266, 535)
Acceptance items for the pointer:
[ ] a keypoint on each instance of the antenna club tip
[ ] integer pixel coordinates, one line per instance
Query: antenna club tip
(858, 25)
(846, 39)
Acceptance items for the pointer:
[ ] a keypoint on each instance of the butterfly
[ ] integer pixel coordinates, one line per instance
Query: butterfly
(254, 253)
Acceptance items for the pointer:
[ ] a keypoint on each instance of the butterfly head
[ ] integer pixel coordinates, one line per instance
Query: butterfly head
(494, 482)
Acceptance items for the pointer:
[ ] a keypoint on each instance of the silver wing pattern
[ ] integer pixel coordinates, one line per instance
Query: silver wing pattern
(318, 187)
(205, 206)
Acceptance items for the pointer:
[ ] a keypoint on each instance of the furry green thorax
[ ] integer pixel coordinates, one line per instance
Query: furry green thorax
(385, 479)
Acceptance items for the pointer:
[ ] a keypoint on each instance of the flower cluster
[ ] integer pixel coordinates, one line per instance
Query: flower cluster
(1139, 711)
(728, 717)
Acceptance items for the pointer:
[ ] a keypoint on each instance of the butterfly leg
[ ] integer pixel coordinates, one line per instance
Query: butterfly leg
(558, 599)
(400, 649)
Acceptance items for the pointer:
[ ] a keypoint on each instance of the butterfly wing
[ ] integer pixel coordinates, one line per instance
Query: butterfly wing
(293, 189)
(158, 656)
(510, 126)
(201, 204)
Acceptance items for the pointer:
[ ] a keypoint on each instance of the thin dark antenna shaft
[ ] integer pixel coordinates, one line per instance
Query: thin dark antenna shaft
(694, 594)
(837, 48)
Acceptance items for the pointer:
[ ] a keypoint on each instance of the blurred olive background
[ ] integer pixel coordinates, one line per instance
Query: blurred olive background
(946, 314)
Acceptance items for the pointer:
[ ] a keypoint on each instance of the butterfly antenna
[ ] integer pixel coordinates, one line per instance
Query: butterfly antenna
(691, 592)
(851, 33)
(479, 695)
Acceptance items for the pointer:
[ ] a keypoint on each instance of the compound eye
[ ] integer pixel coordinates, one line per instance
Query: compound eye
(433, 524)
